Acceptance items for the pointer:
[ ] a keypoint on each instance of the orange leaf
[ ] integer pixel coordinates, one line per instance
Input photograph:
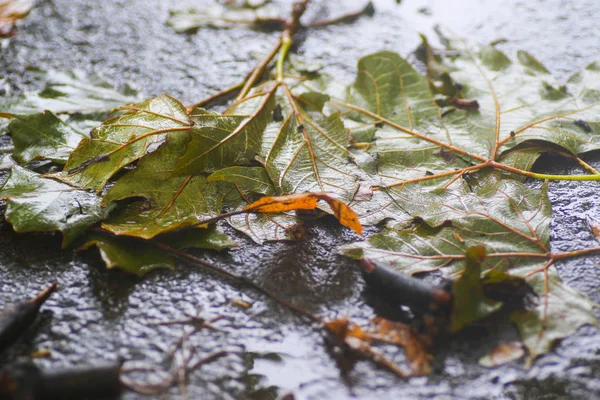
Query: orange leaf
(307, 201)
(301, 201)
(342, 212)
(342, 329)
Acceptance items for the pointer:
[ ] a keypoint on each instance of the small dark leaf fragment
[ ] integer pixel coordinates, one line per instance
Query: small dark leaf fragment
(513, 291)
(465, 104)
(277, 113)
(583, 125)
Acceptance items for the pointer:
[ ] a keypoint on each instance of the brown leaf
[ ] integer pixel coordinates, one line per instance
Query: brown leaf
(502, 354)
(307, 201)
(10, 12)
(358, 341)
(416, 346)
(594, 226)
(341, 328)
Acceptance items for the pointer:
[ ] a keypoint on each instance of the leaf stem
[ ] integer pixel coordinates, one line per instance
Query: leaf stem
(586, 166)
(223, 95)
(410, 131)
(575, 253)
(504, 167)
(258, 71)
(286, 43)
(436, 176)
(368, 9)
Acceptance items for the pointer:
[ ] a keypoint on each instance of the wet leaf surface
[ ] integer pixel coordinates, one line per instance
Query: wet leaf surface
(253, 179)
(35, 203)
(68, 92)
(122, 140)
(130, 255)
(559, 313)
(170, 202)
(42, 136)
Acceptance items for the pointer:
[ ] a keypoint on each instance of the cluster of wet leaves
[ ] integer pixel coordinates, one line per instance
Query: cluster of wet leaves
(438, 161)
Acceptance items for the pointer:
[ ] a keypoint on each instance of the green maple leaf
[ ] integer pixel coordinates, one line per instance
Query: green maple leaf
(452, 221)
(139, 257)
(44, 135)
(254, 179)
(71, 91)
(171, 202)
(49, 123)
(559, 313)
(128, 254)
(222, 140)
(448, 174)
(122, 140)
(38, 204)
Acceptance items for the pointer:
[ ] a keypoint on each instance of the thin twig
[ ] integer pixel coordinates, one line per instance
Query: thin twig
(217, 98)
(237, 278)
(368, 10)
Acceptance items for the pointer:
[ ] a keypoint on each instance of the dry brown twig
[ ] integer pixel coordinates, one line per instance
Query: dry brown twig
(182, 364)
